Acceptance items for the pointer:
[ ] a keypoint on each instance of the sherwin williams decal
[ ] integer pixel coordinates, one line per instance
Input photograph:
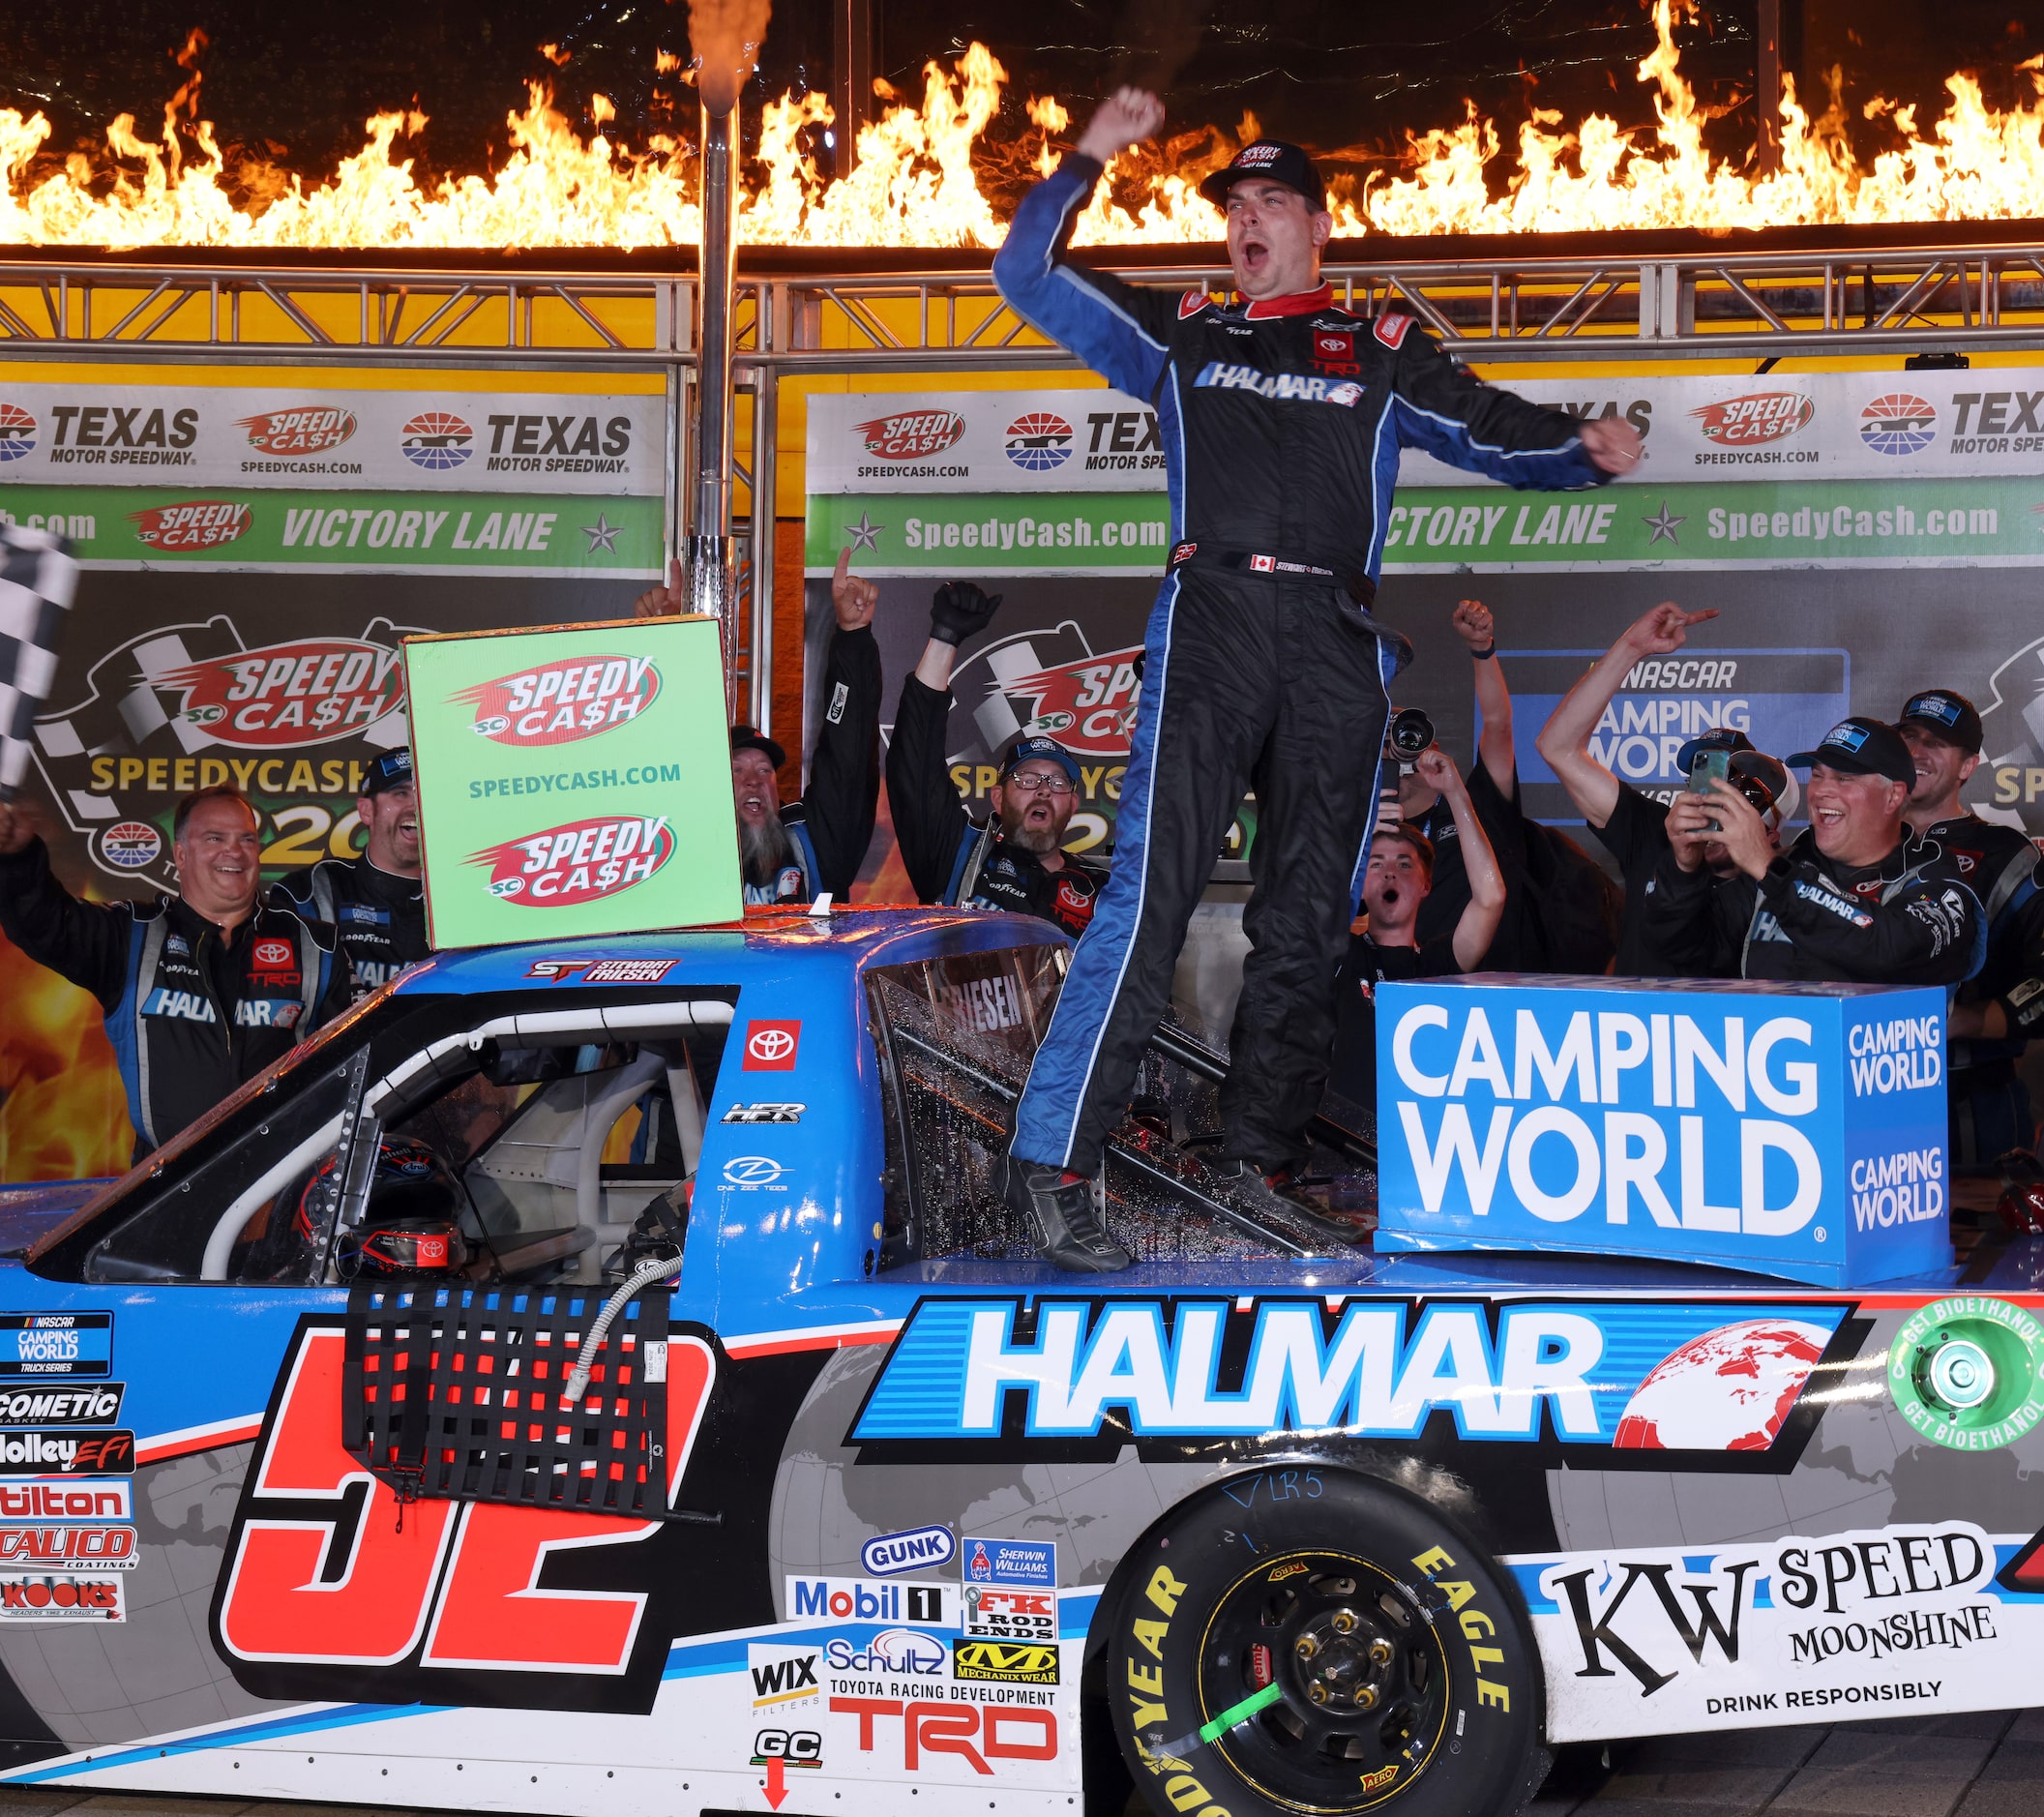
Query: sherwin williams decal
(562, 701)
(1694, 1377)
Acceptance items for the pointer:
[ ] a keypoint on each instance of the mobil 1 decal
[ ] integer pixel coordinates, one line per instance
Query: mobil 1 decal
(1609, 1383)
(293, 723)
(330, 1590)
(1898, 1620)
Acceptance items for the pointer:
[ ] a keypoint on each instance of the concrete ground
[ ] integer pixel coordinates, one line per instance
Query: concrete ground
(1985, 1765)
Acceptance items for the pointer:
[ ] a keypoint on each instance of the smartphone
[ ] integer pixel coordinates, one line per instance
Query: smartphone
(1709, 768)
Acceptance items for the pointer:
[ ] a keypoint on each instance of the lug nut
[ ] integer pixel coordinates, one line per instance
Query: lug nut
(1344, 1621)
(1317, 1691)
(1366, 1697)
(1306, 1647)
(1380, 1653)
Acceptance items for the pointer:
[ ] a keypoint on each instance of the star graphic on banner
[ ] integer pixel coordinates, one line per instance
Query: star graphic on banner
(602, 534)
(865, 534)
(1663, 526)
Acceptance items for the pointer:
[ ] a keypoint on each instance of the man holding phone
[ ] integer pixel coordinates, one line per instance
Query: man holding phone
(1850, 901)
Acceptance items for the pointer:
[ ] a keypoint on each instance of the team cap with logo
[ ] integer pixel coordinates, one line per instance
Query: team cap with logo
(1026, 750)
(1952, 717)
(1274, 159)
(1866, 747)
(745, 738)
(392, 770)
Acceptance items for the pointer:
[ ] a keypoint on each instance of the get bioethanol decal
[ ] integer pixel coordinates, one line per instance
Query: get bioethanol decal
(536, 534)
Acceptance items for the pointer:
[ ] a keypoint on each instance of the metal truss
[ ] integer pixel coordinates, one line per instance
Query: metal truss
(1977, 292)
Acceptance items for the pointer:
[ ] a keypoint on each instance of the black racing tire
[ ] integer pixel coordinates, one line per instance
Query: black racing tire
(1407, 1682)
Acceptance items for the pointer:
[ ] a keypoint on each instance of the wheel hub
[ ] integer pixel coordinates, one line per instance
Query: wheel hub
(1340, 1657)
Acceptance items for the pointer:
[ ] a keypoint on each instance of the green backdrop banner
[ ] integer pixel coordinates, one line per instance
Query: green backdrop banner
(571, 781)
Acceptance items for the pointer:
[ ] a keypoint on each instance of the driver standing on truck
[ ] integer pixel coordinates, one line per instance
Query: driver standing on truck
(1017, 859)
(1281, 415)
(811, 847)
(201, 989)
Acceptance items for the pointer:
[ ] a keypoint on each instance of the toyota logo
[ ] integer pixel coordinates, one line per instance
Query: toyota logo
(771, 1044)
(753, 1169)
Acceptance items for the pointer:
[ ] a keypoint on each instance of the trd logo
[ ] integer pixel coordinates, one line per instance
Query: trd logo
(929, 1727)
(795, 1747)
(325, 1589)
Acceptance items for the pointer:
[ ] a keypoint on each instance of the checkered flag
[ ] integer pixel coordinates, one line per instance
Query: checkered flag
(37, 577)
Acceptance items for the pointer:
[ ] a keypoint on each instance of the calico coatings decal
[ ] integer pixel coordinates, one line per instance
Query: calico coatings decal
(1627, 1381)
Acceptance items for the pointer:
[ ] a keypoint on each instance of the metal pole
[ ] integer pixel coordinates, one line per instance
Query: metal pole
(766, 399)
(712, 563)
(1767, 88)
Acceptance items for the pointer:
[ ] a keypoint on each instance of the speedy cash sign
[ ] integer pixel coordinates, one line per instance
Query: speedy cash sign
(307, 692)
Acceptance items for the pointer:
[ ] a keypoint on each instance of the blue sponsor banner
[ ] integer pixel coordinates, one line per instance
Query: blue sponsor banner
(1651, 1375)
(1793, 1130)
(1783, 699)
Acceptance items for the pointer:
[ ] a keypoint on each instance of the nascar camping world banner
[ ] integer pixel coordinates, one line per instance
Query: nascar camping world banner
(1766, 499)
(253, 555)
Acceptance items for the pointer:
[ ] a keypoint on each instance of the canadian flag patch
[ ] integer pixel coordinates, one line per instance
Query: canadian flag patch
(1391, 328)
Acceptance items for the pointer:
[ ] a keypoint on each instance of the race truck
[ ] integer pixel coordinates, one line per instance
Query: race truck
(603, 1377)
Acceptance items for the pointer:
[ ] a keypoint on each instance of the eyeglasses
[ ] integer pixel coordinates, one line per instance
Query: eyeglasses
(1040, 783)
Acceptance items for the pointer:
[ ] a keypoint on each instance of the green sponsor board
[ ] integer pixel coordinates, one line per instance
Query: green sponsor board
(232, 526)
(572, 781)
(1799, 523)
(1005, 533)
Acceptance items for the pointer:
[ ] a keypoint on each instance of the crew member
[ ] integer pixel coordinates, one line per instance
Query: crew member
(1278, 413)
(1015, 859)
(1999, 1010)
(201, 989)
(1632, 824)
(815, 846)
(376, 903)
(1398, 880)
(1849, 901)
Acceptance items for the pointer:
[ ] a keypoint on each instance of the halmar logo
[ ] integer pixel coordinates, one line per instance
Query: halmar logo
(564, 701)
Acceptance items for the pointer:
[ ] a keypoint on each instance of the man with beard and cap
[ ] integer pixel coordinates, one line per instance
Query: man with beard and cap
(201, 989)
(1850, 901)
(376, 903)
(813, 846)
(1998, 1011)
(1016, 860)
(1281, 415)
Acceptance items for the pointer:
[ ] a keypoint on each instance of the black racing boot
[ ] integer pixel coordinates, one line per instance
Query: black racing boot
(1252, 1186)
(1068, 1227)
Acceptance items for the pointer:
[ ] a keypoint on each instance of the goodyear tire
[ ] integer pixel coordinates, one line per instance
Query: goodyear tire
(1309, 1640)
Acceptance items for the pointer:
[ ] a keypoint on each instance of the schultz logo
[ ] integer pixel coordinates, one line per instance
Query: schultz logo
(582, 861)
(912, 436)
(563, 702)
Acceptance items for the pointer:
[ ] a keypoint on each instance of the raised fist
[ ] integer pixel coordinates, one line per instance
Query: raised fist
(959, 609)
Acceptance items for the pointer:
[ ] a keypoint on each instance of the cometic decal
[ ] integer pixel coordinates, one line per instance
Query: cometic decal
(1636, 1379)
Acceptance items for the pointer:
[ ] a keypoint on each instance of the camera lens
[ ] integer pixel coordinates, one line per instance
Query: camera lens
(1410, 732)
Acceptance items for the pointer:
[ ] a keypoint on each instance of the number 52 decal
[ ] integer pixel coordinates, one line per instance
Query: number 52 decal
(326, 1570)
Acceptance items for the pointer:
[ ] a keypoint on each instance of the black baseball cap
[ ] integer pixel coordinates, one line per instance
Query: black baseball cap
(1746, 760)
(1867, 747)
(1022, 749)
(1951, 716)
(745, 738)
(392, 770)
(1274, 159)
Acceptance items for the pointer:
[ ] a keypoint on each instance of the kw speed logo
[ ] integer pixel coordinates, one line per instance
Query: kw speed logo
(582, 861)
(563, 702)
(312, 691)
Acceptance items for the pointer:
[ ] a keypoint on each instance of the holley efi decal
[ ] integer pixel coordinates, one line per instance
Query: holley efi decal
(578, 863)
(560, 702)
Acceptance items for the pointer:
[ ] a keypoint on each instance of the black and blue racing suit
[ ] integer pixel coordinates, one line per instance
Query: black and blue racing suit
(1281, 421)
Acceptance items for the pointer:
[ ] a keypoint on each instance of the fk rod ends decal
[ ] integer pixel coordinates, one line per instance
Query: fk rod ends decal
(1968, 1372)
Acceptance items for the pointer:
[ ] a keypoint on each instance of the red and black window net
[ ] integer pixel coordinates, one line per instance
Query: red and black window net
(454, 1393)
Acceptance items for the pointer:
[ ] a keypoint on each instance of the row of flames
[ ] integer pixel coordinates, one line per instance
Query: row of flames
(918, 179)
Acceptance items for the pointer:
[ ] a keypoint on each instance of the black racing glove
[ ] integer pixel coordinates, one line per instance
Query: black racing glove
(958, 609)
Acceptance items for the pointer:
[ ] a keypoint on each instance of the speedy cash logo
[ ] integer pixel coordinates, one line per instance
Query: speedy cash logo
(911, 435)
(308, 428)
(562, 702)
(1761, 416)
(580, 862)
(308, 691)
(192, 524)
(1087, 705)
